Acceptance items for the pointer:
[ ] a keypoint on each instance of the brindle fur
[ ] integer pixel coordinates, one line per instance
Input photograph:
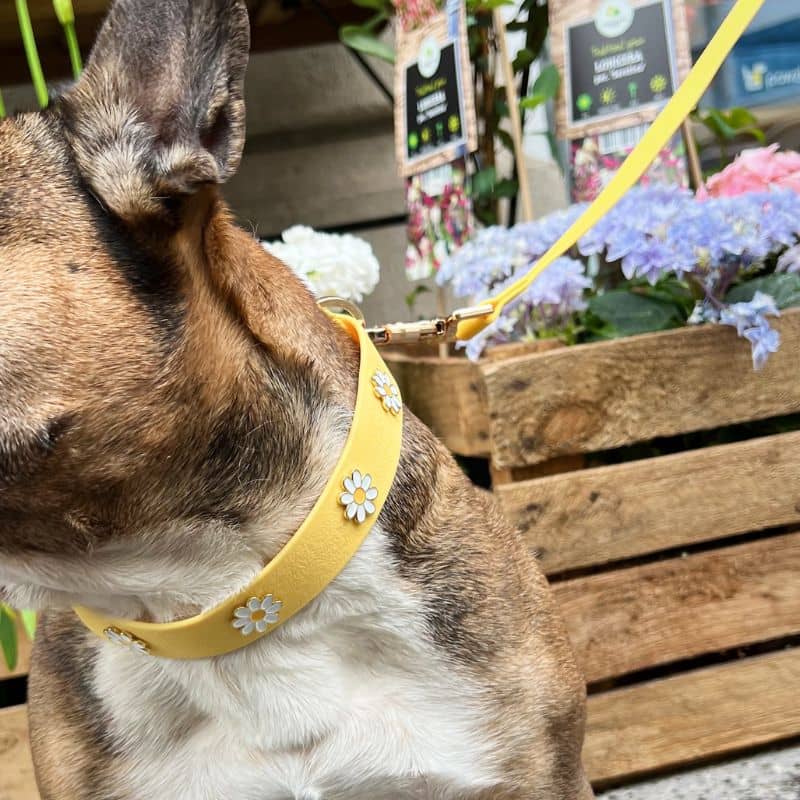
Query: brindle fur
(156, 366)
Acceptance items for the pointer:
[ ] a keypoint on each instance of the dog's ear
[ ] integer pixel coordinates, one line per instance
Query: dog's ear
(159, 110)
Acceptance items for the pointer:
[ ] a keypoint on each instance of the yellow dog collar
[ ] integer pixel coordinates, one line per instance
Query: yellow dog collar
(339, 522)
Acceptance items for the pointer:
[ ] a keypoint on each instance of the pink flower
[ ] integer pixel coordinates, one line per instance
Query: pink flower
(757, 170)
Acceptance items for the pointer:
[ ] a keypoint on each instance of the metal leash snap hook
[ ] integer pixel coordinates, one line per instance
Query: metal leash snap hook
(438, 328)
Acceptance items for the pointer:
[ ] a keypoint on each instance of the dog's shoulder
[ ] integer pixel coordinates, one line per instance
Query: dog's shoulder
(68, 726)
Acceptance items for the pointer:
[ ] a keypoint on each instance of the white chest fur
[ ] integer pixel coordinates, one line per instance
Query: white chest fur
(348, 700)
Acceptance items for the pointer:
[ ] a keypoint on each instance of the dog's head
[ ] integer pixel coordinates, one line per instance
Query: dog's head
(146, 374)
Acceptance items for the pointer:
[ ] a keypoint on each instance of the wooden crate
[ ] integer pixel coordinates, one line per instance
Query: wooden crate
(678, 575)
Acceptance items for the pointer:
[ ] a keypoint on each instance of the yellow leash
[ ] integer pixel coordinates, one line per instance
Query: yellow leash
(664, 126)
(467, 322)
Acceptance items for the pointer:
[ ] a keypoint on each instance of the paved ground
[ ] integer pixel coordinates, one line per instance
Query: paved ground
(769, 776)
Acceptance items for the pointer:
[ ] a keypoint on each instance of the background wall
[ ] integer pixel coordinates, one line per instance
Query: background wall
(320, 152)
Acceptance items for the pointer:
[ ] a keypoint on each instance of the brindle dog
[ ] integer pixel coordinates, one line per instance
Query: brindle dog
(173, 402)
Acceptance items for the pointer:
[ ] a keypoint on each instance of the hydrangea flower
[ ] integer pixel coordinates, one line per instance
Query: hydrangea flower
(755, 170)
(329, 264)
(653, 233)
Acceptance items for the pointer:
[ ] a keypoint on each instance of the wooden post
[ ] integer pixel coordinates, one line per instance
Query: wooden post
(692, 156)
(513, 110)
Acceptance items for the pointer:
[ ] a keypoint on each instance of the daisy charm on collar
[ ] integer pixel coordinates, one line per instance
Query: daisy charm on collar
(358, 497)
(127, 641)
(256, 615)
(387, 392)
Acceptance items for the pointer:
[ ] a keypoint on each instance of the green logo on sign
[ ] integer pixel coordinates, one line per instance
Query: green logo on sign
(584, 102)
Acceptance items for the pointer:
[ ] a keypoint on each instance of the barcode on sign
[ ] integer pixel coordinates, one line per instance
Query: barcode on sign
(619, 141)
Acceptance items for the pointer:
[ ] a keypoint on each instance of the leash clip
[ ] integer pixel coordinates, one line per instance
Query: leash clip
(438, 328)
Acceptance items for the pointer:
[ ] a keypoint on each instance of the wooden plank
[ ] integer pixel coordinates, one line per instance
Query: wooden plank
(446, 394)
(630, 619)
(594, 516)
(672, 723)
(16, 768)
(609, 394)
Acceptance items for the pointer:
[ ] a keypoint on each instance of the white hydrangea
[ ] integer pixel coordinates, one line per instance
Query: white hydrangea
(329, 264)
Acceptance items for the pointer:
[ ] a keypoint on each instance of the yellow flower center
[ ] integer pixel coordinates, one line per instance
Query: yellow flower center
(257, 616)
(359, 495)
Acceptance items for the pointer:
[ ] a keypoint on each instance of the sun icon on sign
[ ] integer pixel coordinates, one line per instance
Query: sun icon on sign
(608, 96)
(658, 83)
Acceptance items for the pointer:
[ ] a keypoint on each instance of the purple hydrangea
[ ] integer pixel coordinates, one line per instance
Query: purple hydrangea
(654, 232)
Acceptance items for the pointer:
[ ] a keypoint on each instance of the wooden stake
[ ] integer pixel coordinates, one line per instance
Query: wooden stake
(692, 156)
(513, 109)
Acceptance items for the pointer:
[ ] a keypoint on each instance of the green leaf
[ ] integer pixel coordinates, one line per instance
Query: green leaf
(716, 122)
(524, 58)
(29, 622)
(533, 101)
(726, 126)
(488, 5)
(505, 137)
(413, 295)
(624, 313)
(361, 38)
(483, 181)
(548, 82)
(784, 288)
(742, 118)
(8, 637)
(506, 188)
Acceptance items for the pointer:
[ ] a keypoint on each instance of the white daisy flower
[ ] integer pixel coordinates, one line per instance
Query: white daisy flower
(358, 496)
(126, 640)
(387, 392)
(256, 615)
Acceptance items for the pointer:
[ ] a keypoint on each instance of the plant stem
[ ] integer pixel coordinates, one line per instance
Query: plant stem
(74, 49)
(32, 54)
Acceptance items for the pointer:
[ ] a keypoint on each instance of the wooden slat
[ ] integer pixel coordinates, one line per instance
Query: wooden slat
(604, 514)
(16, 768)
(631, 619)
(446, 394)
(678, 721)
(609, 394)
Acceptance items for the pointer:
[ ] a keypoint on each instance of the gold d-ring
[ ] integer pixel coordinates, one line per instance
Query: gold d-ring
(340, 304)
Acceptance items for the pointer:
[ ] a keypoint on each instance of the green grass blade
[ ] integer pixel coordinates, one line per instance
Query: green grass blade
(34, 64)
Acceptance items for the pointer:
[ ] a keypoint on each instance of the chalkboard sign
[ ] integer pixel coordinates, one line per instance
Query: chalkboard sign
(434, 119)
(619, 62)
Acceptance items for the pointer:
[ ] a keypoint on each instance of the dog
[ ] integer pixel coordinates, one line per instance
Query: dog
(173, 402)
